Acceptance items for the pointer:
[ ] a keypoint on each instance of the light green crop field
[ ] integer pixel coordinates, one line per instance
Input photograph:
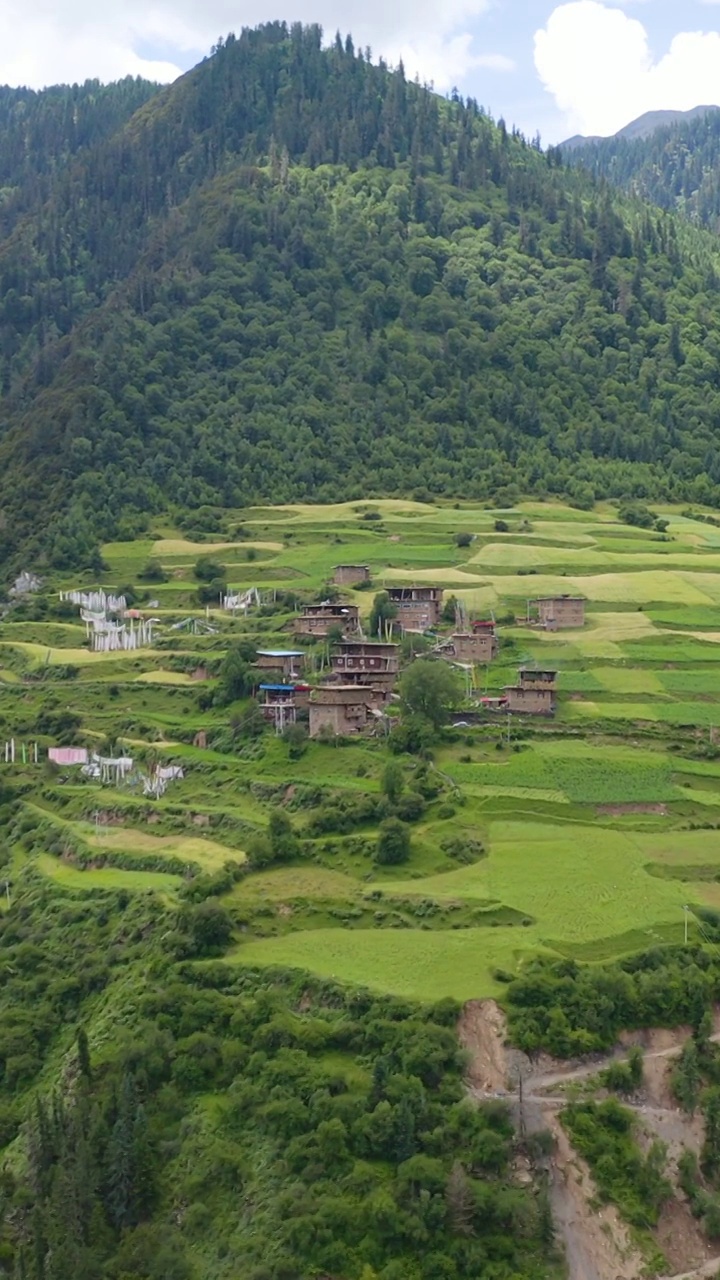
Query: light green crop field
(424, 966)
(585, 835)
(105, 877)
(209, 855)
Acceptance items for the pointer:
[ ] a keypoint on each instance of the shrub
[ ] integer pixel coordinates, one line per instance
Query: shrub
(393, 843)
(153, 572)
(410, 806)
(206, 569)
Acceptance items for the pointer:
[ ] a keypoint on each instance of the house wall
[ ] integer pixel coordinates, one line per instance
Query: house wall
(346, 575)
(476, 647)
(321, 624)
(418, 607)
(341, 718)
(288, 666)
(562, 613)
(537, 680)
(532, 702)
(364, 666)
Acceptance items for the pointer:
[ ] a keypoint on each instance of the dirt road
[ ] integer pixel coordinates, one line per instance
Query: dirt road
(596, 1241)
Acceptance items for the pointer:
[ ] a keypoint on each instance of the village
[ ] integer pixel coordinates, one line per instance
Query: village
(355, 695)
(351, 691)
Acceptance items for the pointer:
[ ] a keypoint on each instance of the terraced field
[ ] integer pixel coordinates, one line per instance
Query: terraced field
(584, 836)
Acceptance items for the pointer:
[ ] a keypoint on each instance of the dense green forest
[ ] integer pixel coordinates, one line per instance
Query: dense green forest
(676, 167)
(41, 132)
(295, 275)
(215, 1122)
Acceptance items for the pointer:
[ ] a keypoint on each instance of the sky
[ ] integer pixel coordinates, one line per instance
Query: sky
(581, 66)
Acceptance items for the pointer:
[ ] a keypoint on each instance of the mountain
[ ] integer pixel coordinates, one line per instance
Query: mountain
(643, 127)
(579, 140)
(675, 166)
(646, 124)
(294, 275)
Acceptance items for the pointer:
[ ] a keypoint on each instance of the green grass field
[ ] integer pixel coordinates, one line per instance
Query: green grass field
(589, 826)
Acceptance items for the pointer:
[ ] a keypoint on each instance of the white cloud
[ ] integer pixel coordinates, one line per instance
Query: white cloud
(49, 41)
(597, 63)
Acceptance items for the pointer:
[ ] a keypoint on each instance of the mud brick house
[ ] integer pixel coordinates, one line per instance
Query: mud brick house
(345, 710)
(534, 694)
(349, 575)
(418, 608)
(365, 662)
(557, 612)
(317, 620)
(470, 646)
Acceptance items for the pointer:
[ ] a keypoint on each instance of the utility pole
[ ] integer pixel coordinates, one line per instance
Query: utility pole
(521, 1106)
(686, 909)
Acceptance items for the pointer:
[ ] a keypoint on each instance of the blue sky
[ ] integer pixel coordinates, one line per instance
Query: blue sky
(577, 66)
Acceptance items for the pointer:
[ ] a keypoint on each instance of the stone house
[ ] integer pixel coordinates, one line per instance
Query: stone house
(470, 646)
(317, 620)
(534, 694)
(418, 608)
(557, 612)
(365, 662)
(349, 575)
(344, 710)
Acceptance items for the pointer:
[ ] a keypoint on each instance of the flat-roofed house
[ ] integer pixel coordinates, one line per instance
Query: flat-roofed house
(344, 710)
(289, 662)
(317, 620)
(534, 694)
(366, 662)
(558, 612)
(418, 608)
(349, 575)
(470, 646)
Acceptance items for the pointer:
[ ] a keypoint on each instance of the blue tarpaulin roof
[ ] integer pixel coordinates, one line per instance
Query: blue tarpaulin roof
(281, 653)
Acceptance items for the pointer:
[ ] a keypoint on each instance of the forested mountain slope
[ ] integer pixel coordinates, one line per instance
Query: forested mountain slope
(676, 167)
(40, 132)
(216, 1125)
(293, 274)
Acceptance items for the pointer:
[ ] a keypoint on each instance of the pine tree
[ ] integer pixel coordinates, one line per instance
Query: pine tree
(120, 1157)
(84, 1055)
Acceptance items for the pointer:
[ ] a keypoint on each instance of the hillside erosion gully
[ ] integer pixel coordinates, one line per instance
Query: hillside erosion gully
(596, 1241)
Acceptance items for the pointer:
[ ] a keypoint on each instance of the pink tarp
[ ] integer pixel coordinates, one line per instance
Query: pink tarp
(68, 755)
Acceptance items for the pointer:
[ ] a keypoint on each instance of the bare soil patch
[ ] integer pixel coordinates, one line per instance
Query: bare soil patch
(680, 1238)
(656, 1090)
(482, 1031)
(597, 1242)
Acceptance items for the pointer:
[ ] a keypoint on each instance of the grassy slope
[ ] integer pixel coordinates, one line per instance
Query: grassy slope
(577, 825)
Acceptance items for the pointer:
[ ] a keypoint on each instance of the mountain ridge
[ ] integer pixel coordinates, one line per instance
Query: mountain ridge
(641, 127)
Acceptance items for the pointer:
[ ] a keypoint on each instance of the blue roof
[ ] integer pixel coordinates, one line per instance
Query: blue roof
(281, 653)
(278, 688)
